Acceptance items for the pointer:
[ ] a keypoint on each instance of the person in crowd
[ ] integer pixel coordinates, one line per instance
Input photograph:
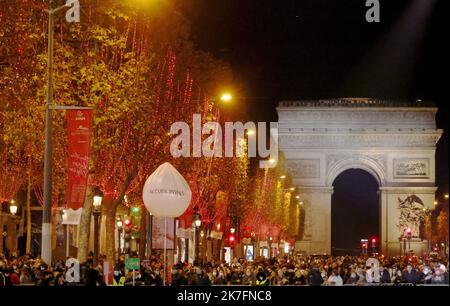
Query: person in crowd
(438, 277)
(29, 269)
(261, 278)
(249, 277)
(410, 275)
(335, 279)
(25, 276)
(385, 277)
(315, 276)
(353, 279)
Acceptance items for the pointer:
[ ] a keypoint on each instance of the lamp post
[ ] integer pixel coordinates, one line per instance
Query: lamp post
(72, 15)
(97, 205)
(197, 223)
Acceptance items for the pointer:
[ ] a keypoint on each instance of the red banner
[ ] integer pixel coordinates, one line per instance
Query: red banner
(79, 129)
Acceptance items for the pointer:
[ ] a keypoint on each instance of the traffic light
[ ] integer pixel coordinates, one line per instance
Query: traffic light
(128, 222)
(231, 238)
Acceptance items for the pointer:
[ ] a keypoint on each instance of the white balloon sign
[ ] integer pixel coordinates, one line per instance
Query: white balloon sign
(166, 193)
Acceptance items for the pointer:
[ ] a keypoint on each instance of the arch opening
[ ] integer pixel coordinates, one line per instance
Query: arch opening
(355, 212)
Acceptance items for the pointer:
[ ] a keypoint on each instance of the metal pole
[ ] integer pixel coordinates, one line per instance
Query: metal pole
(120, 242)
(165, 249)
(67, 241)
(196, 245)
(46, 244)
(96, 234)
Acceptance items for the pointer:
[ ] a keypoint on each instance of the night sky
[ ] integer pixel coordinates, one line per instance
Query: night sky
(312, 49)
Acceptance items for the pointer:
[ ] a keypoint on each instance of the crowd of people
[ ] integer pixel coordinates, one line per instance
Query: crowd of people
(283, 270)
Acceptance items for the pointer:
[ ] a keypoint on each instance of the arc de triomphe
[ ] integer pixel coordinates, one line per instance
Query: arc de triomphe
(393, 141)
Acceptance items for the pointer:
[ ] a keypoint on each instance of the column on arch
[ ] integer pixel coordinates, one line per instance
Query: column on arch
(315, 229)
(397, 203)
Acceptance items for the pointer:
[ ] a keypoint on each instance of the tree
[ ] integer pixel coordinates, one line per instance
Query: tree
(136, 67)
(442, 225)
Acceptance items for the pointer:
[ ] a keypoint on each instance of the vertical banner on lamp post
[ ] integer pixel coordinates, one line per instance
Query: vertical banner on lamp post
(79, 129)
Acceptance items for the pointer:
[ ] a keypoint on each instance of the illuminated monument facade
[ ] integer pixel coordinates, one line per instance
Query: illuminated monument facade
(393, 141)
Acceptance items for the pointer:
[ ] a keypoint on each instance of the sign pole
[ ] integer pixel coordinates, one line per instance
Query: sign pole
(67, 241)
(46, 242)
(165, 249)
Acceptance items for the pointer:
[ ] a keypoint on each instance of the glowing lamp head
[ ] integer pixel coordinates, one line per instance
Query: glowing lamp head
(374, 240)
(13, 207)
(119, 223)
(232, 230)
(97, 202)
(232, 238)
(226, 97)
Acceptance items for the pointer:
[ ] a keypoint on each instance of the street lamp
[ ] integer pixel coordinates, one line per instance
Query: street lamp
(226, 97)
(13, 207)
(98, 196)
(197, 217)
(72, 15)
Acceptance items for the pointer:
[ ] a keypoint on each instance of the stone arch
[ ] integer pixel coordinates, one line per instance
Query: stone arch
(393, 141)
(363, 163)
